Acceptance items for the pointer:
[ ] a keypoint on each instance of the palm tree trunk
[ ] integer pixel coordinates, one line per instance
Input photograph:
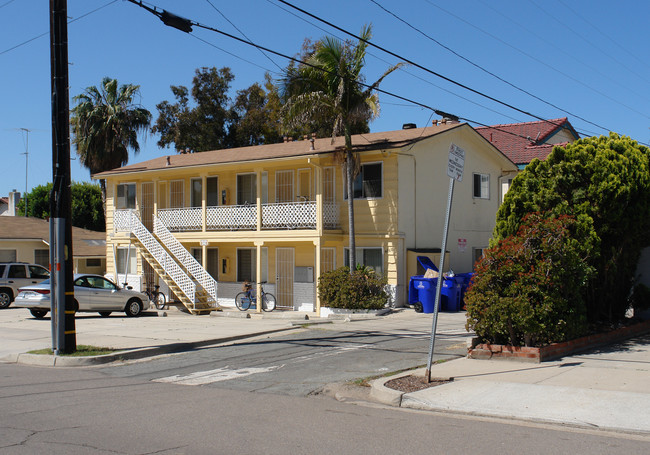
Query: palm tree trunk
(349, 165)
(102, 185)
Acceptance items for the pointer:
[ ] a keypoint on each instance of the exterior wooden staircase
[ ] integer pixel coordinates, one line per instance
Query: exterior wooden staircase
(185, 277)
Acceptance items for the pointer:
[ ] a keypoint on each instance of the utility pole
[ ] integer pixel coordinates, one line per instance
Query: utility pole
(26, 166)
(61, 259)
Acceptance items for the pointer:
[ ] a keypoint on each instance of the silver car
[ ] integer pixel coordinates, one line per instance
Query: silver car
(91, 293)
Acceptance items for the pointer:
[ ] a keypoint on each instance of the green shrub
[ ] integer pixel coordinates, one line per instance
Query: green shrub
(362, 289)
(605, 183)
(529, 288)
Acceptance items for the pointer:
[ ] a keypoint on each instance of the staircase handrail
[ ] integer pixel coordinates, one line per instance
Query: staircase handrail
(188, 261)
(128, 220)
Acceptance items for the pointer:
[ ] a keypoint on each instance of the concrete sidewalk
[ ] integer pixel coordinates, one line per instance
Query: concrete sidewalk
(607, 388)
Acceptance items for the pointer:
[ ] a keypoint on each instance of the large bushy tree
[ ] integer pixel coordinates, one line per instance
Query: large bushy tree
(329, 88)
(604, 182)
(86, 200)
(105, 124)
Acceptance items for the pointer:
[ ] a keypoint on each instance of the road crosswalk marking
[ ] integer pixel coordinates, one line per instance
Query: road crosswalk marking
(217, 375)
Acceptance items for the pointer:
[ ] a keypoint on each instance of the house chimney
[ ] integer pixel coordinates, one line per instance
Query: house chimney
(169, 161)
(311, 146)
(14, 199)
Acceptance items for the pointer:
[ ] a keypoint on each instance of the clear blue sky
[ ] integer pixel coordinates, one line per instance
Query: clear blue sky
(585, 57)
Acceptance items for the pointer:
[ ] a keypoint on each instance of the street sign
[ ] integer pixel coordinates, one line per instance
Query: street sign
(456, 162)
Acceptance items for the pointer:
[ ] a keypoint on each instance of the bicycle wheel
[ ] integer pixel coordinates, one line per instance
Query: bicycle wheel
(160, 300)
(268, 302)
(242, 301)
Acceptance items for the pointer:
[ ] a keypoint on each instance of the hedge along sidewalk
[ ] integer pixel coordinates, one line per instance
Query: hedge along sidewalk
(488, 351)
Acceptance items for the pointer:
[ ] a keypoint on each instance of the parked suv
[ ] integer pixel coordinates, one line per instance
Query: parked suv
(14, 275)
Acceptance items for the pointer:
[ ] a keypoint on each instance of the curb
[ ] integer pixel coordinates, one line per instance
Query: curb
(128, 354)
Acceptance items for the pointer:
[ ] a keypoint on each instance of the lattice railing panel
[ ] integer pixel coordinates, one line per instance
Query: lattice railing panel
(186, 259)
(231, 217)
(291, 215)
(330, 216)
(128, 220)
(185, 219)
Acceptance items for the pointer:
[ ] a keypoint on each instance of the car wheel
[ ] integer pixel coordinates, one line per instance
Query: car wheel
(104, 314)
(38, 314)
(133, 308)
(417, 306)
(5, 298)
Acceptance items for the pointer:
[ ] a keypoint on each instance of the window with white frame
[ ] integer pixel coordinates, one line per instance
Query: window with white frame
(477, 253)
(247, 264)
(196, 196)
(368, 257)
(481, 186)
(212, 191)
(246, 189)
(127, 260)
(125, 196)
(7, 255)
(368, 183)
(42, 257)
(176, 194)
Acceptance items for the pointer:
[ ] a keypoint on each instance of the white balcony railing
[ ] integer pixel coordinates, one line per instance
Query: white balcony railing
(289, 215)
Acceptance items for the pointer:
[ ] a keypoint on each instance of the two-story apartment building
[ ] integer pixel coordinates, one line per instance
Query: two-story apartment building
(278, 213)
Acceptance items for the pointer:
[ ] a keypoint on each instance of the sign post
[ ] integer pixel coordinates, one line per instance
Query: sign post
(455, 170)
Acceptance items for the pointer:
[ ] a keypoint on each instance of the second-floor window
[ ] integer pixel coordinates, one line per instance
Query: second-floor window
(482, 186)
(126, 196)
(368, 183)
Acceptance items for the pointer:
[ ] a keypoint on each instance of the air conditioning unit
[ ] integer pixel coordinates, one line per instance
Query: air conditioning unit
(304, 275)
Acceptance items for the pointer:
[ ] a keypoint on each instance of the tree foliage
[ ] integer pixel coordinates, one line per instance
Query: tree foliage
(329, 89)
(205, 125)
(528, 287)
(604, 182)
(86, 200)
(105, 125)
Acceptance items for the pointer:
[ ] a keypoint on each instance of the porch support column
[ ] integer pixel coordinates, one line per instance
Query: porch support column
(258, 269)
(317, 261)
(258, 175)
(155, 197)
(204, 202)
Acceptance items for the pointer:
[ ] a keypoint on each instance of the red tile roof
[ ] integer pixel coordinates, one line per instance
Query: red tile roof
(521, 142)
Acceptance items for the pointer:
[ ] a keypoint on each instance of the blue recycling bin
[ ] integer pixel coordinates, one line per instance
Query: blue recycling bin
(465, 279)
(423, 290)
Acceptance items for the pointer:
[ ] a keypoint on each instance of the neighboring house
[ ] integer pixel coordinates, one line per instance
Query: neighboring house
(278, 213)
(4, 206)
(523, 142)
(24, 239)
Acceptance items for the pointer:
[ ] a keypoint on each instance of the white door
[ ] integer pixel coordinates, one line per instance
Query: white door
(284, 268)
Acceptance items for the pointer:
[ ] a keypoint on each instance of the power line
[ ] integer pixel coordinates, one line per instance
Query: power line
(186, 25)
(401, 68)
(242, 33)
(418, 65)
(484, 69)
(6, 3)
(47, 33)
(536, 59)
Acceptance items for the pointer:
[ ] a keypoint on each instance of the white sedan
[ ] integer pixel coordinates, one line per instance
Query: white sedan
(91, 293)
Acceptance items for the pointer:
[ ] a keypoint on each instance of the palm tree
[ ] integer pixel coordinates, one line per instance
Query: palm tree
(105, 124)
(330, 88)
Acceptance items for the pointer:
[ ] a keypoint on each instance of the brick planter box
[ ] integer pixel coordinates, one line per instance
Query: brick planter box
(556, 350)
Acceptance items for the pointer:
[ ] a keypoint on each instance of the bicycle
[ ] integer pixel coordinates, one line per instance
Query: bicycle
(244, 299)
(158, 298)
